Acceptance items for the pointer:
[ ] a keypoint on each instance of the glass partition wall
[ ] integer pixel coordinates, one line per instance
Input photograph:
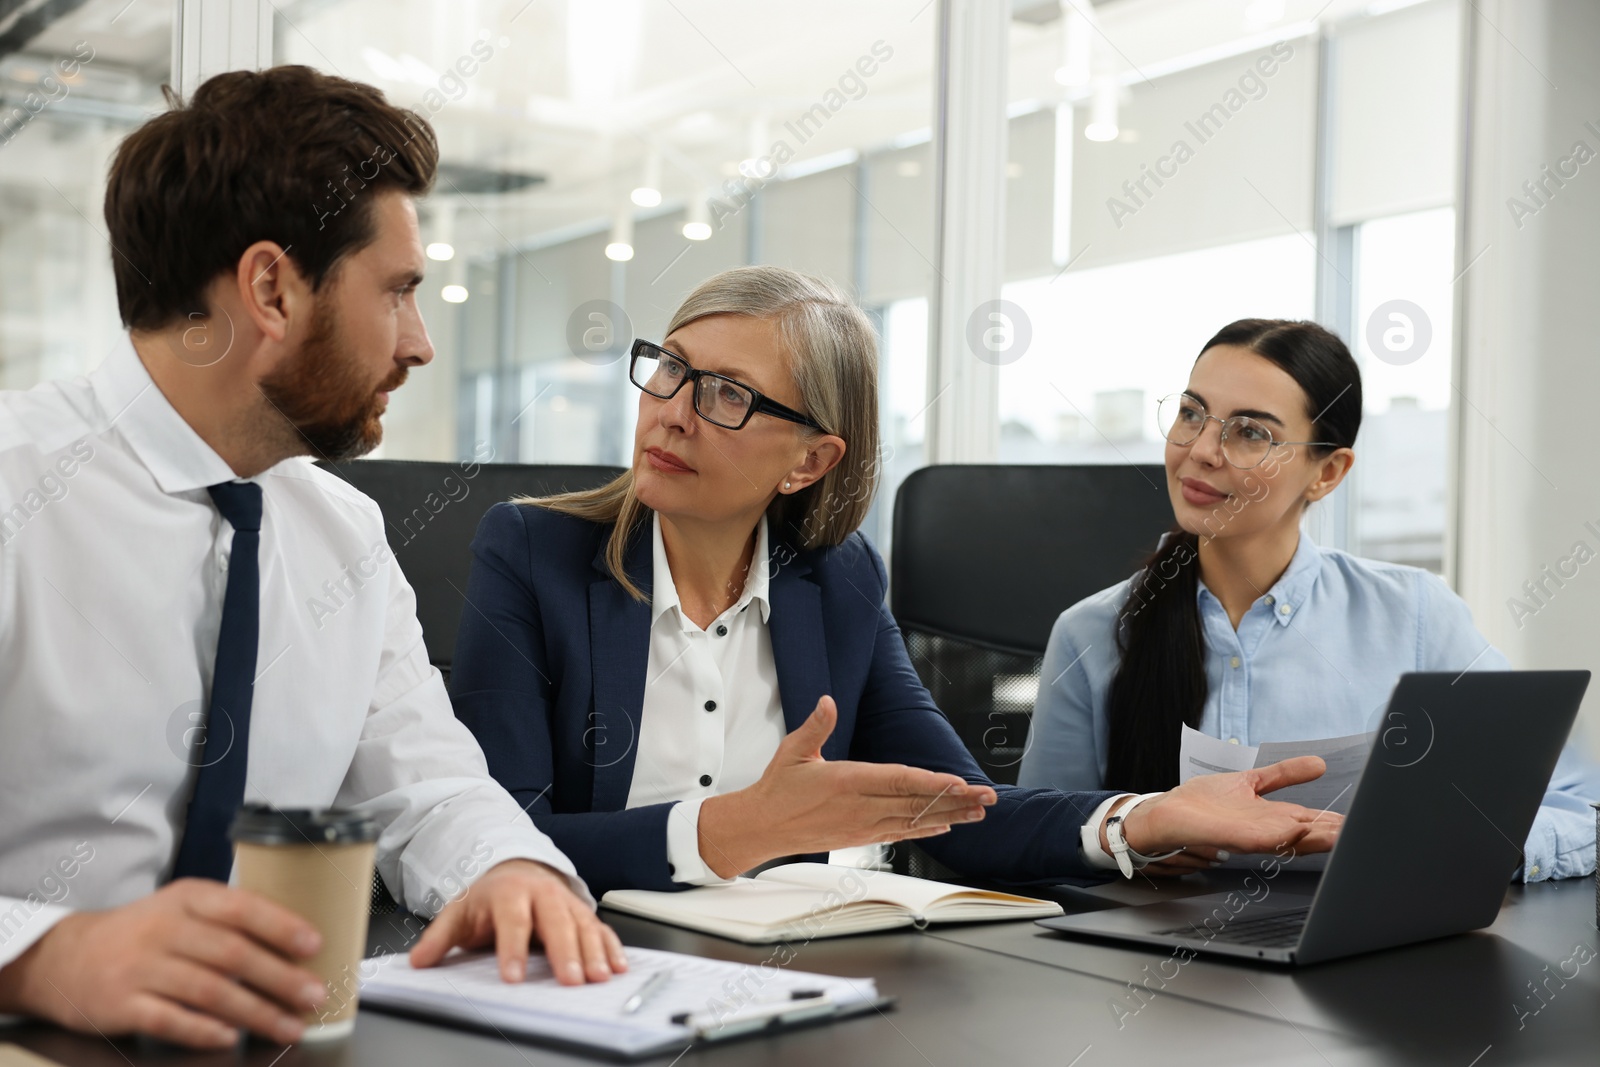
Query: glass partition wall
(1171, 165)
(74, 80)
(1200, 163)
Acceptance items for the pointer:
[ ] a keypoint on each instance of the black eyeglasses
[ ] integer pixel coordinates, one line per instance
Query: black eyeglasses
(718, 399)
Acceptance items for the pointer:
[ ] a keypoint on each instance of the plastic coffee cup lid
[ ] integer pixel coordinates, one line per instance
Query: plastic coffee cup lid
(261, 824)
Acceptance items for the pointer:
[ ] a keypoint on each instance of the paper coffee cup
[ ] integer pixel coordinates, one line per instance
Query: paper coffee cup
(317, 862)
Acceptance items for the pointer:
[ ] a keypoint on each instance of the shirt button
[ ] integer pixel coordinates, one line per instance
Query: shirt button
(1233, 740)
(711, 705)
(1269, 598)
(1234, 663)
(722, 631)
(1533, 872)
(705, 779)
(1285, 609)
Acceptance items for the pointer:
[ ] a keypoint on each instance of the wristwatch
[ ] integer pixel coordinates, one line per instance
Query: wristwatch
(1127, 859)
(1119, 846)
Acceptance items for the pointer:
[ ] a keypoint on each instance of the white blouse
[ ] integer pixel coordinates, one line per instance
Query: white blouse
(712, 718)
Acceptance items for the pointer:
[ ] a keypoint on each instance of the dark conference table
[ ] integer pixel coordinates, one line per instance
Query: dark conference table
(1011, 993)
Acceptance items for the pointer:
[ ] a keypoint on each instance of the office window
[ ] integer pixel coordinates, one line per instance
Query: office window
(1163, 173)
(1177, 183)
(1108, 343)
(1404, 269)
(601, 158)
(68, 95)
(800, 136)
(903, 406)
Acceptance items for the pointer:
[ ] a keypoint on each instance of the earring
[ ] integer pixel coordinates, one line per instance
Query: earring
(786, 485)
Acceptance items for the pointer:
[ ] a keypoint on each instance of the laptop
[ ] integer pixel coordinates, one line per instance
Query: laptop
(1458, 768)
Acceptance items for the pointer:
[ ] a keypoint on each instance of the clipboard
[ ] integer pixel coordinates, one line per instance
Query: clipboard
(707, 1002)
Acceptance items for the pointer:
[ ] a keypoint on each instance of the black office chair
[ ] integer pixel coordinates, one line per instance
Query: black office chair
(984, 560)
(431, 511)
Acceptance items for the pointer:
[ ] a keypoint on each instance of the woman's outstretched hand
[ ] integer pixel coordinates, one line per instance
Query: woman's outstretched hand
(1228, 812)
(804, 803)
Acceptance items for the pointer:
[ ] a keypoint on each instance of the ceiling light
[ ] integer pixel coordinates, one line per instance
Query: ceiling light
(1077, 48)
(697, 220)
(620, 248)
(757, 164)
(442, 230)
(1102, 124)
(648, 194)
(1262, 13)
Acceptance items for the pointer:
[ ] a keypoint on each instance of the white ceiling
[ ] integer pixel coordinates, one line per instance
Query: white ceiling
(581, 92)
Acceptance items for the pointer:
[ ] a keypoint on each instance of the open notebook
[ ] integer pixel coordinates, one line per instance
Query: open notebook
(802, 901)
(698, 1000)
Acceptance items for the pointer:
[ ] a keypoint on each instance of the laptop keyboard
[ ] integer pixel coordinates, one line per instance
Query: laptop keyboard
(1280, 930)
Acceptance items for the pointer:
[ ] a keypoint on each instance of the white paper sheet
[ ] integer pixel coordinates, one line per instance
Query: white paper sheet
(1200, 753)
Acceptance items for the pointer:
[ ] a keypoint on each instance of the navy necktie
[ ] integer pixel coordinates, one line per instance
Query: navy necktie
(224, 749)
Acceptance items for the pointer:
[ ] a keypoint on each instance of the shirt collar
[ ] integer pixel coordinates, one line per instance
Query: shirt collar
(664, 592)
(167, 445)
(1288, 594)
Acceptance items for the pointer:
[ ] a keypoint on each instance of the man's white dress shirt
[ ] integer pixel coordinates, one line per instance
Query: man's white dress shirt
(113, 566)
(712, 717)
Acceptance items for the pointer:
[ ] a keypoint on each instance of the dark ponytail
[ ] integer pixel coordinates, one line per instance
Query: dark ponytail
(1160, 685)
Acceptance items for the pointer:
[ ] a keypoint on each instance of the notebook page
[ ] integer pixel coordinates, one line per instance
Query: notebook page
(467, 986)
(753, 903)
(917, 895)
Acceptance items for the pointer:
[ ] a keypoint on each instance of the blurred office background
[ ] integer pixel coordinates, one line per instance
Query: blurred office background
(1167, 166)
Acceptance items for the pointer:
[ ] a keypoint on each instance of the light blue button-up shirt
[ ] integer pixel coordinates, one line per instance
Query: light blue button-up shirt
(1316, 656)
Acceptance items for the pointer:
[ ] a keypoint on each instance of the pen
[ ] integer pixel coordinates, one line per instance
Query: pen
(651, 987)
(796, 1008)
(683, 1017)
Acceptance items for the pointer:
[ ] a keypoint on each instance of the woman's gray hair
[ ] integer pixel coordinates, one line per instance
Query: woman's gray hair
(832, 353)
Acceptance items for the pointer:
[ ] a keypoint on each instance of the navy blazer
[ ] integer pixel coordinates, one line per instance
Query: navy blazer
(549, 674)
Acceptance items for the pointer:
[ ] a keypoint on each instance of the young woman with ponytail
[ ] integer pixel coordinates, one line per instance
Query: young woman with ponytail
(1243, 628)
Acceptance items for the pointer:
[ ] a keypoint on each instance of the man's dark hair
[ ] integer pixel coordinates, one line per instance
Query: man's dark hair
(287, 154)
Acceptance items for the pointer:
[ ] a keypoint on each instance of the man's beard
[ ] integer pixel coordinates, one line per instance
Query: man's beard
(322, 392)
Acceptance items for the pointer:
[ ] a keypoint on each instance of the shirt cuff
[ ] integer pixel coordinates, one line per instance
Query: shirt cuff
(684, 863)
(548, 857)
(37, 920)
(442, 884)
(1089, 836)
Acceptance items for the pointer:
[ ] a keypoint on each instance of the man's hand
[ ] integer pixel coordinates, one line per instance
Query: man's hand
(1227, 811)
(190, 963)
(512, 901)
(804, 803)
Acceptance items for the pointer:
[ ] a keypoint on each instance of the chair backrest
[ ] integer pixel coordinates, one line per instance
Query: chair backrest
(984, 560)
(432, 510)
